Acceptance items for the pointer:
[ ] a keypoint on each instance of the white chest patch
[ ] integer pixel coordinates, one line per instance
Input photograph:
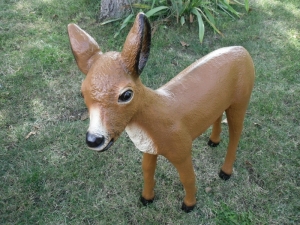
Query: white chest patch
(140, 139)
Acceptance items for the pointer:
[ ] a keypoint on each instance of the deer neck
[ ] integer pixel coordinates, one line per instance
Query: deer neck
(145, 124)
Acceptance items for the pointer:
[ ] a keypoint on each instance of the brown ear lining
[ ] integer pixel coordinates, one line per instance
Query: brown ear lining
(84, 47)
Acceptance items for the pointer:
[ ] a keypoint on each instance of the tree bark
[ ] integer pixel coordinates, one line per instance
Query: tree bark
(115, 9)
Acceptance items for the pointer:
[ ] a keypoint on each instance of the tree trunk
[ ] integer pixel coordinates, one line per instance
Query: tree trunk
(114, 9)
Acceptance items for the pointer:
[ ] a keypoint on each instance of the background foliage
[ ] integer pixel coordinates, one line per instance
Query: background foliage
(183, 11)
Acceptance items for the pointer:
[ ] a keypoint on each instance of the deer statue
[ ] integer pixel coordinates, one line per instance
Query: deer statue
(167, 120)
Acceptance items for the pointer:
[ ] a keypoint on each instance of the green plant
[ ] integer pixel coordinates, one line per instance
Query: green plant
(226, 216)
(186, 11)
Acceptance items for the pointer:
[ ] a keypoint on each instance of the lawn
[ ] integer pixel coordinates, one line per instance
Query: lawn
(47, 174)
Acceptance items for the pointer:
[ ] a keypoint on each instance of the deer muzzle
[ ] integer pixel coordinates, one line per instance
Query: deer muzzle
(96, 142)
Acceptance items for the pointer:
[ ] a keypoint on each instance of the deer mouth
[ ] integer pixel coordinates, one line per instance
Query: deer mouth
(107, 146)
(101, 149)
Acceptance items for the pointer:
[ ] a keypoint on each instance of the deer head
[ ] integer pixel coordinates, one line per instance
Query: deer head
(112, 89)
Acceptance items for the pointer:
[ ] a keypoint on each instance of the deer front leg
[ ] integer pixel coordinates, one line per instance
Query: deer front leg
(187, 178)
(148, 166)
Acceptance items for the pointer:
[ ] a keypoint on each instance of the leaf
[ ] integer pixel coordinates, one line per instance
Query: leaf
(210, 20)
(153, 11)
(30, 134)
(55, 16)
(208, 189)
(191, 18)
(110, 21)
(246, 4)
(200, 23)
(258, 125)
(176, 8)
(226, 7)
(182, 20)
(84, 116)
(248, 163)
(210, 16)
(153, 3)
(184, 44)
(126, 21)
(124, 24)
(141, 6)
(247, 7)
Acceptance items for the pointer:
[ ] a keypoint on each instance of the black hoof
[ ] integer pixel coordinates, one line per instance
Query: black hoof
(186, 208)
(146, 202)
(223, 175)
(212, 144)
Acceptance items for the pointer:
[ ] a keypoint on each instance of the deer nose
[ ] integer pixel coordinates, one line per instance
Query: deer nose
(93, 140)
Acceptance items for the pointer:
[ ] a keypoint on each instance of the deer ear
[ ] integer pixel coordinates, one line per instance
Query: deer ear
(136, 49)
(85, 49)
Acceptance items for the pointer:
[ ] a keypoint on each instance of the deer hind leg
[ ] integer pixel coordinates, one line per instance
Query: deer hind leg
(215, 138)
(187, 178)
(148, 166)
(235, 117)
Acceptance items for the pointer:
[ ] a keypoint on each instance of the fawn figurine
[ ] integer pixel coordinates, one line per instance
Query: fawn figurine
(167, 120)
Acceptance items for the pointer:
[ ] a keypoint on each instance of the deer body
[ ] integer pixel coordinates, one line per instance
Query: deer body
(167, 120)
(195, 98)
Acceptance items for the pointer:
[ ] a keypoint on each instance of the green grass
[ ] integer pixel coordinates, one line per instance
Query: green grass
(51, 177)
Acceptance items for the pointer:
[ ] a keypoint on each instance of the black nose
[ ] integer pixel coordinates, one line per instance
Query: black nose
(93, 140)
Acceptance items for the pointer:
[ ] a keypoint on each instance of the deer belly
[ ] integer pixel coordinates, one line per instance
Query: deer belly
(141, 139)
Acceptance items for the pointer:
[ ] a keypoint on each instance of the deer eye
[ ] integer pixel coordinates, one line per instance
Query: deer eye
(126, 96)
